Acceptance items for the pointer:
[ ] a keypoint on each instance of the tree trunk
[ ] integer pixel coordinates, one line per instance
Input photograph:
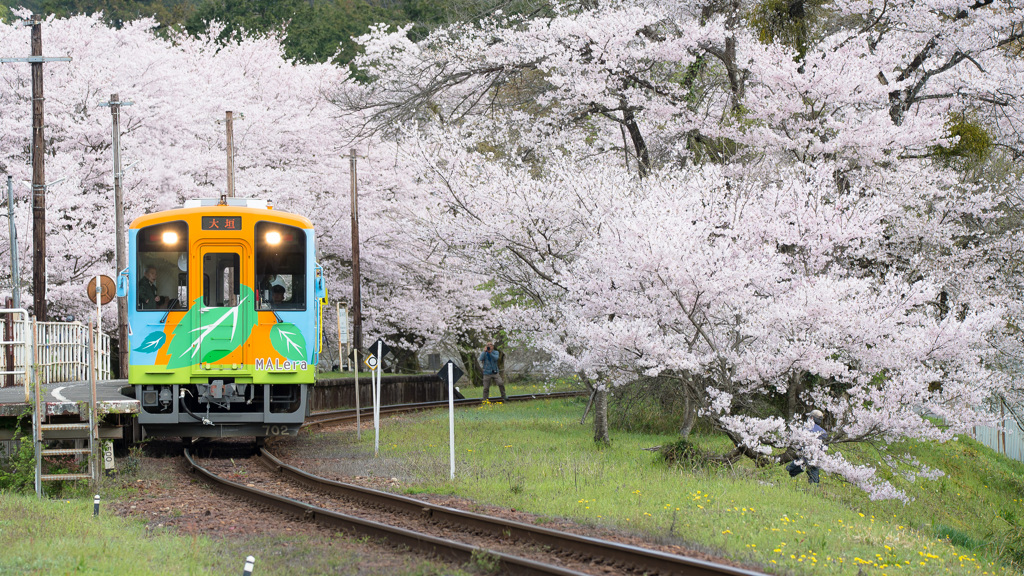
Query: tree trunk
(474, 371)
(601, 416)
(793, 394)
(643, 157)
(689, 412)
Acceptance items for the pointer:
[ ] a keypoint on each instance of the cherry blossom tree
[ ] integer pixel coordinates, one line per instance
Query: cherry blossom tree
(793, 240)
(776, 212)
(290, 145)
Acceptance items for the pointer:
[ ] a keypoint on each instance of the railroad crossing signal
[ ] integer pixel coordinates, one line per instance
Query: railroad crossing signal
(371, 362)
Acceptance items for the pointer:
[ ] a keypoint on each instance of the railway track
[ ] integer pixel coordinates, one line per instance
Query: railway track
(334, 417)
(506, 546)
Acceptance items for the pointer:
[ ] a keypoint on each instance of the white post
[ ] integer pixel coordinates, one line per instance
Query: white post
(341, 355)
(374, 375)
(355, 364)
(376, 408)
(451, 419)
(376, 398)
(15, 278)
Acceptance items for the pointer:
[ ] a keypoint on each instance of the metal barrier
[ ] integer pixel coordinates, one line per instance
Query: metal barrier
(1007, 439)
(17, 349)
(61, 351)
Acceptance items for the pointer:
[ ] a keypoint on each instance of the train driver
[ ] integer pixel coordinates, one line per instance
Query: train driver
(148, 297)
(278, 293)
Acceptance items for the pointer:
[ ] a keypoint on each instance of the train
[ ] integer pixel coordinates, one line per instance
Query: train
(225, 319)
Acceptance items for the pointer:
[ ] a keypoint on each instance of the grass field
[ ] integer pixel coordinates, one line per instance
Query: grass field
(537, 457)
(44, 537)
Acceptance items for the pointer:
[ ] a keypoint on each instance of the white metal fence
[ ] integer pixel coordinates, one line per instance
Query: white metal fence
(61, 351)
(1007, 440)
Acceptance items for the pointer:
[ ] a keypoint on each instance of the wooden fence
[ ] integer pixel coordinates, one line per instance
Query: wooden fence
(338, 393)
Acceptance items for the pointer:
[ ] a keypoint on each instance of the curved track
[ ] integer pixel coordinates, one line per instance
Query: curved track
(553, 552)
(600, 551)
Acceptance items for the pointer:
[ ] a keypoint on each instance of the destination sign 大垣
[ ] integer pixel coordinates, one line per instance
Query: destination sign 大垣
(222, 223)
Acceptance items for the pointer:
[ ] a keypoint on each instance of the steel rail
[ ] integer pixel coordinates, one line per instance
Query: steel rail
(621, 555)
(440, 547)
(321, 418)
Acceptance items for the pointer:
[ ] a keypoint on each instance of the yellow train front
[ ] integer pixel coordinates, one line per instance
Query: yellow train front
(224, 321)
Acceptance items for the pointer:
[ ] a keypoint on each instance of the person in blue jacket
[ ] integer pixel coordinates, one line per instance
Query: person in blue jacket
(797, 466)
(489, 360)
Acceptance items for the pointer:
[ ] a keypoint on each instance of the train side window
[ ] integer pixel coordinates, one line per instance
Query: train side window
(162, 267)
(280, 267)
(221, 272)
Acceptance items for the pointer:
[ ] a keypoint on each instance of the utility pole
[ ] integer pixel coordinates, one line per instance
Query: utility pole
(357, 305)
(231, 154)
(38, 166)
(120, 254)
(38, 177)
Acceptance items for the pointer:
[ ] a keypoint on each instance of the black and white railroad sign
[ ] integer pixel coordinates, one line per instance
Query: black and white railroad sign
(379, 348)
(443, 373)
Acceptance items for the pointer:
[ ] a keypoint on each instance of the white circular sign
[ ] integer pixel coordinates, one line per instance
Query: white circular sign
(371, 362)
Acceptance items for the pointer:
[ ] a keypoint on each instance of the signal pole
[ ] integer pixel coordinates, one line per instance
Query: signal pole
(15, 277)
(120, 254)
(38, 166)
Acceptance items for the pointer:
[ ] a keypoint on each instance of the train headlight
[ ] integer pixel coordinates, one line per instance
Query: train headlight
(273, 237)
(170, 238)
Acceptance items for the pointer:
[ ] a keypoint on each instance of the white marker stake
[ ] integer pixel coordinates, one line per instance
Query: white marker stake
(451, 419)
(250, 562)
(376, 405)
(355, 363)
(376, 409)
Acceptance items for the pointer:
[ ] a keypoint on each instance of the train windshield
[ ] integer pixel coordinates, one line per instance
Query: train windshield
(162, 263)
(280, 267)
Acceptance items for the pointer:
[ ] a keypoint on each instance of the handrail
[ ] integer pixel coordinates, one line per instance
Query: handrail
(63, 351)
(26, 344)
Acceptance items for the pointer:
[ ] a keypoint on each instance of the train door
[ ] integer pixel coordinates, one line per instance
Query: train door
(227, 315)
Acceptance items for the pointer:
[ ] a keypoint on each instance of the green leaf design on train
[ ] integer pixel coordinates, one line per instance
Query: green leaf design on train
(207, 334)
(287, 340)
(152, 343)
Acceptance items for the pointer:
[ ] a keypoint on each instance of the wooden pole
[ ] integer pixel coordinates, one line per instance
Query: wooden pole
(357, 305)
(38, 176)
(121, 256)
(231, 153)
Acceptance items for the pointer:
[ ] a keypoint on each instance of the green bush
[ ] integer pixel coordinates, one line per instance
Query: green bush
(18, 472)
